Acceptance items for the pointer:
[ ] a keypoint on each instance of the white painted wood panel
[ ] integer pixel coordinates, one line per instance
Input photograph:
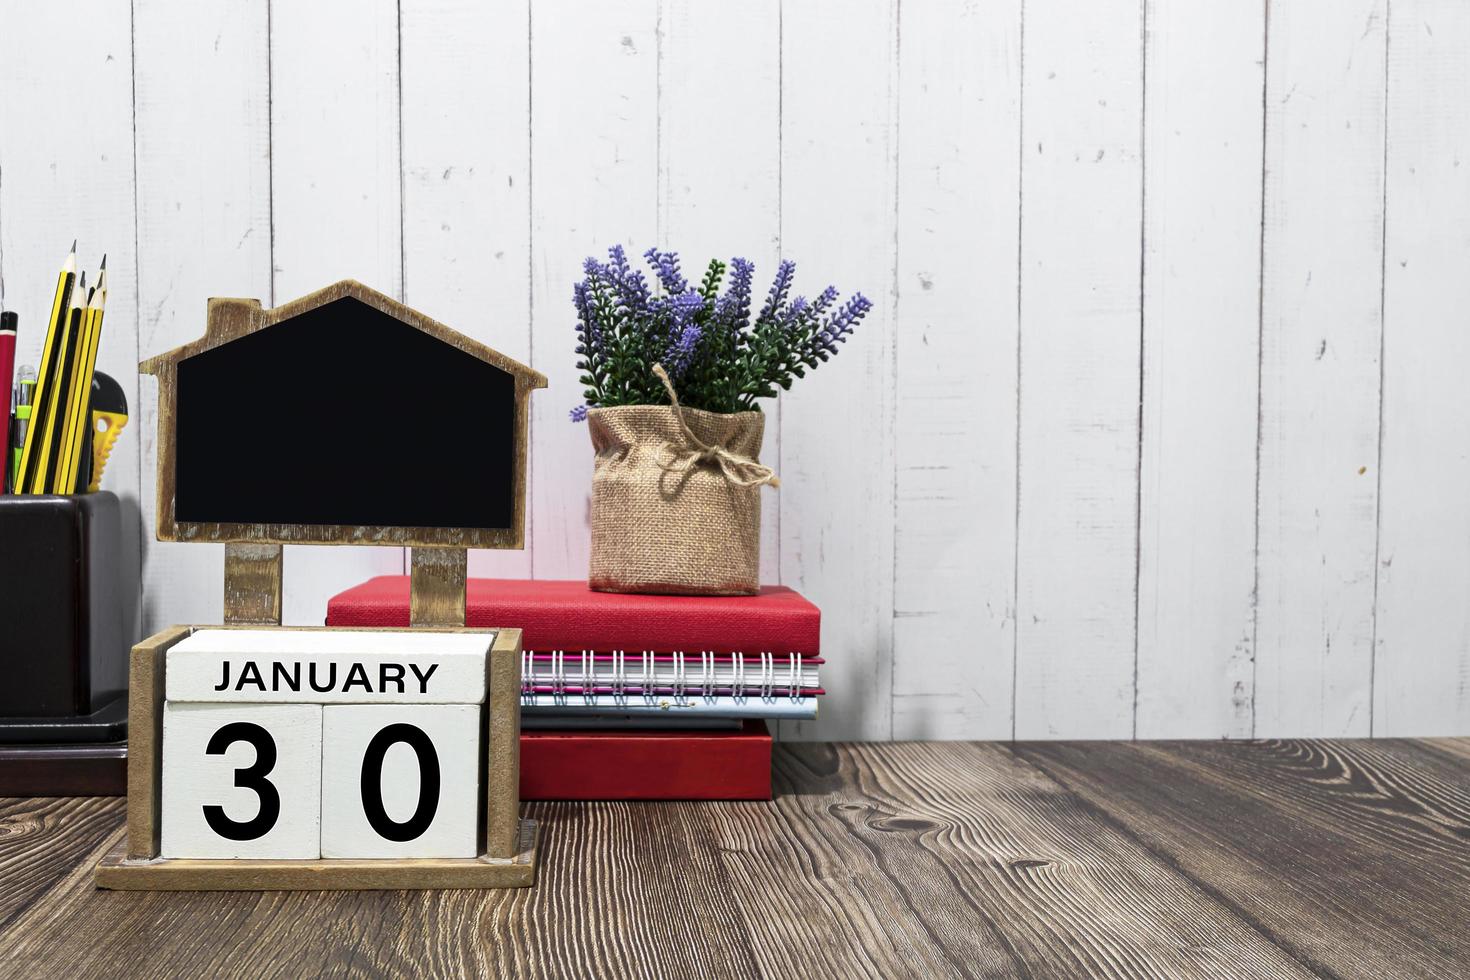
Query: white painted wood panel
(336, 207)
(1421, 684)
(258, 767)
(719, 165)
(594, 173)
(895, 149)
(838, 221)
(427, 792)
(467, 183)
(958, 202)
(328, 666)
(204, 214)
(1201, 323)
(1321, 302)
(66, 171)
(1081, 179)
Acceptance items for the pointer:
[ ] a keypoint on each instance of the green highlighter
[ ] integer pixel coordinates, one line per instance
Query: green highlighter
(25, 393)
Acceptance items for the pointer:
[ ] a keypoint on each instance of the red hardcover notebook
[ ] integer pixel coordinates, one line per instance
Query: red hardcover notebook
(556, 615)
(653, 765)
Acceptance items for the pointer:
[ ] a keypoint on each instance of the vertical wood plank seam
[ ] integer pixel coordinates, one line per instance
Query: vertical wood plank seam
(1020, 271)
(780, 239)
(531, 524)
(897, 13)
(138, 626)
(270, 142)
(1382, 347)
(404, 562)
(662, 194)
(1260, 356)
(1142, 332)
(776, 729)
(402, 238)
(1210, 892)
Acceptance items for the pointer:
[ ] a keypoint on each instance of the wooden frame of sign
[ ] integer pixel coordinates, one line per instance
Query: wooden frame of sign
(252, 597)
(507, 861)
(229, 320)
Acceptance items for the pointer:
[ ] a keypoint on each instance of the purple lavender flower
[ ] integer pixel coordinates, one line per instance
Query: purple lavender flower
(629, 283)
(681, 351)
(828, 297)
(590, 338)
(666, 265)
(733, 308)
(721, 356)
(684, 333)
(780, 286)
(837, 328)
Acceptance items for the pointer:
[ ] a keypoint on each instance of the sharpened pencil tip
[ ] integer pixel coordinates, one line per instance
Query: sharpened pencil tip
(104, 260)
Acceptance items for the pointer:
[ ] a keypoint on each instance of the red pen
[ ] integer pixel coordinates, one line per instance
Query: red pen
(8, 321)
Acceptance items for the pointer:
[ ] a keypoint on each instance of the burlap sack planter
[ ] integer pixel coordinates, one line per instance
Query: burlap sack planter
(676, 508)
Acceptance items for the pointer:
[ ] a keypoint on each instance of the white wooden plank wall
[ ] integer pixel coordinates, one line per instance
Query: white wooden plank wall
(1077, 528)
(1321, 307)
(1423, 626)
(1201, 329)
(954, 627)
(1159, 425)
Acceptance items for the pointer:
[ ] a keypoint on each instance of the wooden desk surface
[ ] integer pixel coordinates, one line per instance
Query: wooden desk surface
(912, 859)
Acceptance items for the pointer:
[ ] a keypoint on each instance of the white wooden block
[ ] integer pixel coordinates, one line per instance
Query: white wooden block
(241, 781)
(400, 781)
(328, 667)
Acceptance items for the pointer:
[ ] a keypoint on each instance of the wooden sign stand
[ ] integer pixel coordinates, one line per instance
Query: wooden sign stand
(252, 598)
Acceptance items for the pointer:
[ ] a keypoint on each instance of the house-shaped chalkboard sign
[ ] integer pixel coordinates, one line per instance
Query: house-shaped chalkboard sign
(342, 417)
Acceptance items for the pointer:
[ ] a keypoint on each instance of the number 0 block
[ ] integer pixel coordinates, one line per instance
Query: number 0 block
(241, 781)
(400, 781)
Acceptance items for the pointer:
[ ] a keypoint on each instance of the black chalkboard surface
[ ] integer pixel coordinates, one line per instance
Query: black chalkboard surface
(344, 415)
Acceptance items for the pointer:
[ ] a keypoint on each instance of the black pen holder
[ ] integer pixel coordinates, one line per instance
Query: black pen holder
(63, 654)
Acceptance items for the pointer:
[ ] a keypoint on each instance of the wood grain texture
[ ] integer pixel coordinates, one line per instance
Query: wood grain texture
(466, 156)
(204, 216)
(42, 835)
(921, 859)
(253, 583)
(1421, 679)
(839, 144)
(1321, 298)
(1204, 77)
(959, 199)
(145, 739)
(1076, 551)
(503, 745)
(436, 591)
(1349, 855)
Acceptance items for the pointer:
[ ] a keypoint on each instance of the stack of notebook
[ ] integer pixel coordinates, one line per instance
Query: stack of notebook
(638, 696)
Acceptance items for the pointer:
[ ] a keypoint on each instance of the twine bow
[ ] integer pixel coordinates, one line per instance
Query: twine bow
(742, 471)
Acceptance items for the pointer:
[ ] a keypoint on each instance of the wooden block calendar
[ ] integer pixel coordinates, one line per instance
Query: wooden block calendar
(263, 757)
(302, 797)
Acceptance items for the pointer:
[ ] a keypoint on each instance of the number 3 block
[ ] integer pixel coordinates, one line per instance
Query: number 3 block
(241, 781)
(400, 781)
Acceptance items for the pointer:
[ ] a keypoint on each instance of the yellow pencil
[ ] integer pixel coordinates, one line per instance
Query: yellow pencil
(48, 464)
(51, 353)
(78, 414)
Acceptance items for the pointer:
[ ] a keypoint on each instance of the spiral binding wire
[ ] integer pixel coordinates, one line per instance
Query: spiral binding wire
(585, 680)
